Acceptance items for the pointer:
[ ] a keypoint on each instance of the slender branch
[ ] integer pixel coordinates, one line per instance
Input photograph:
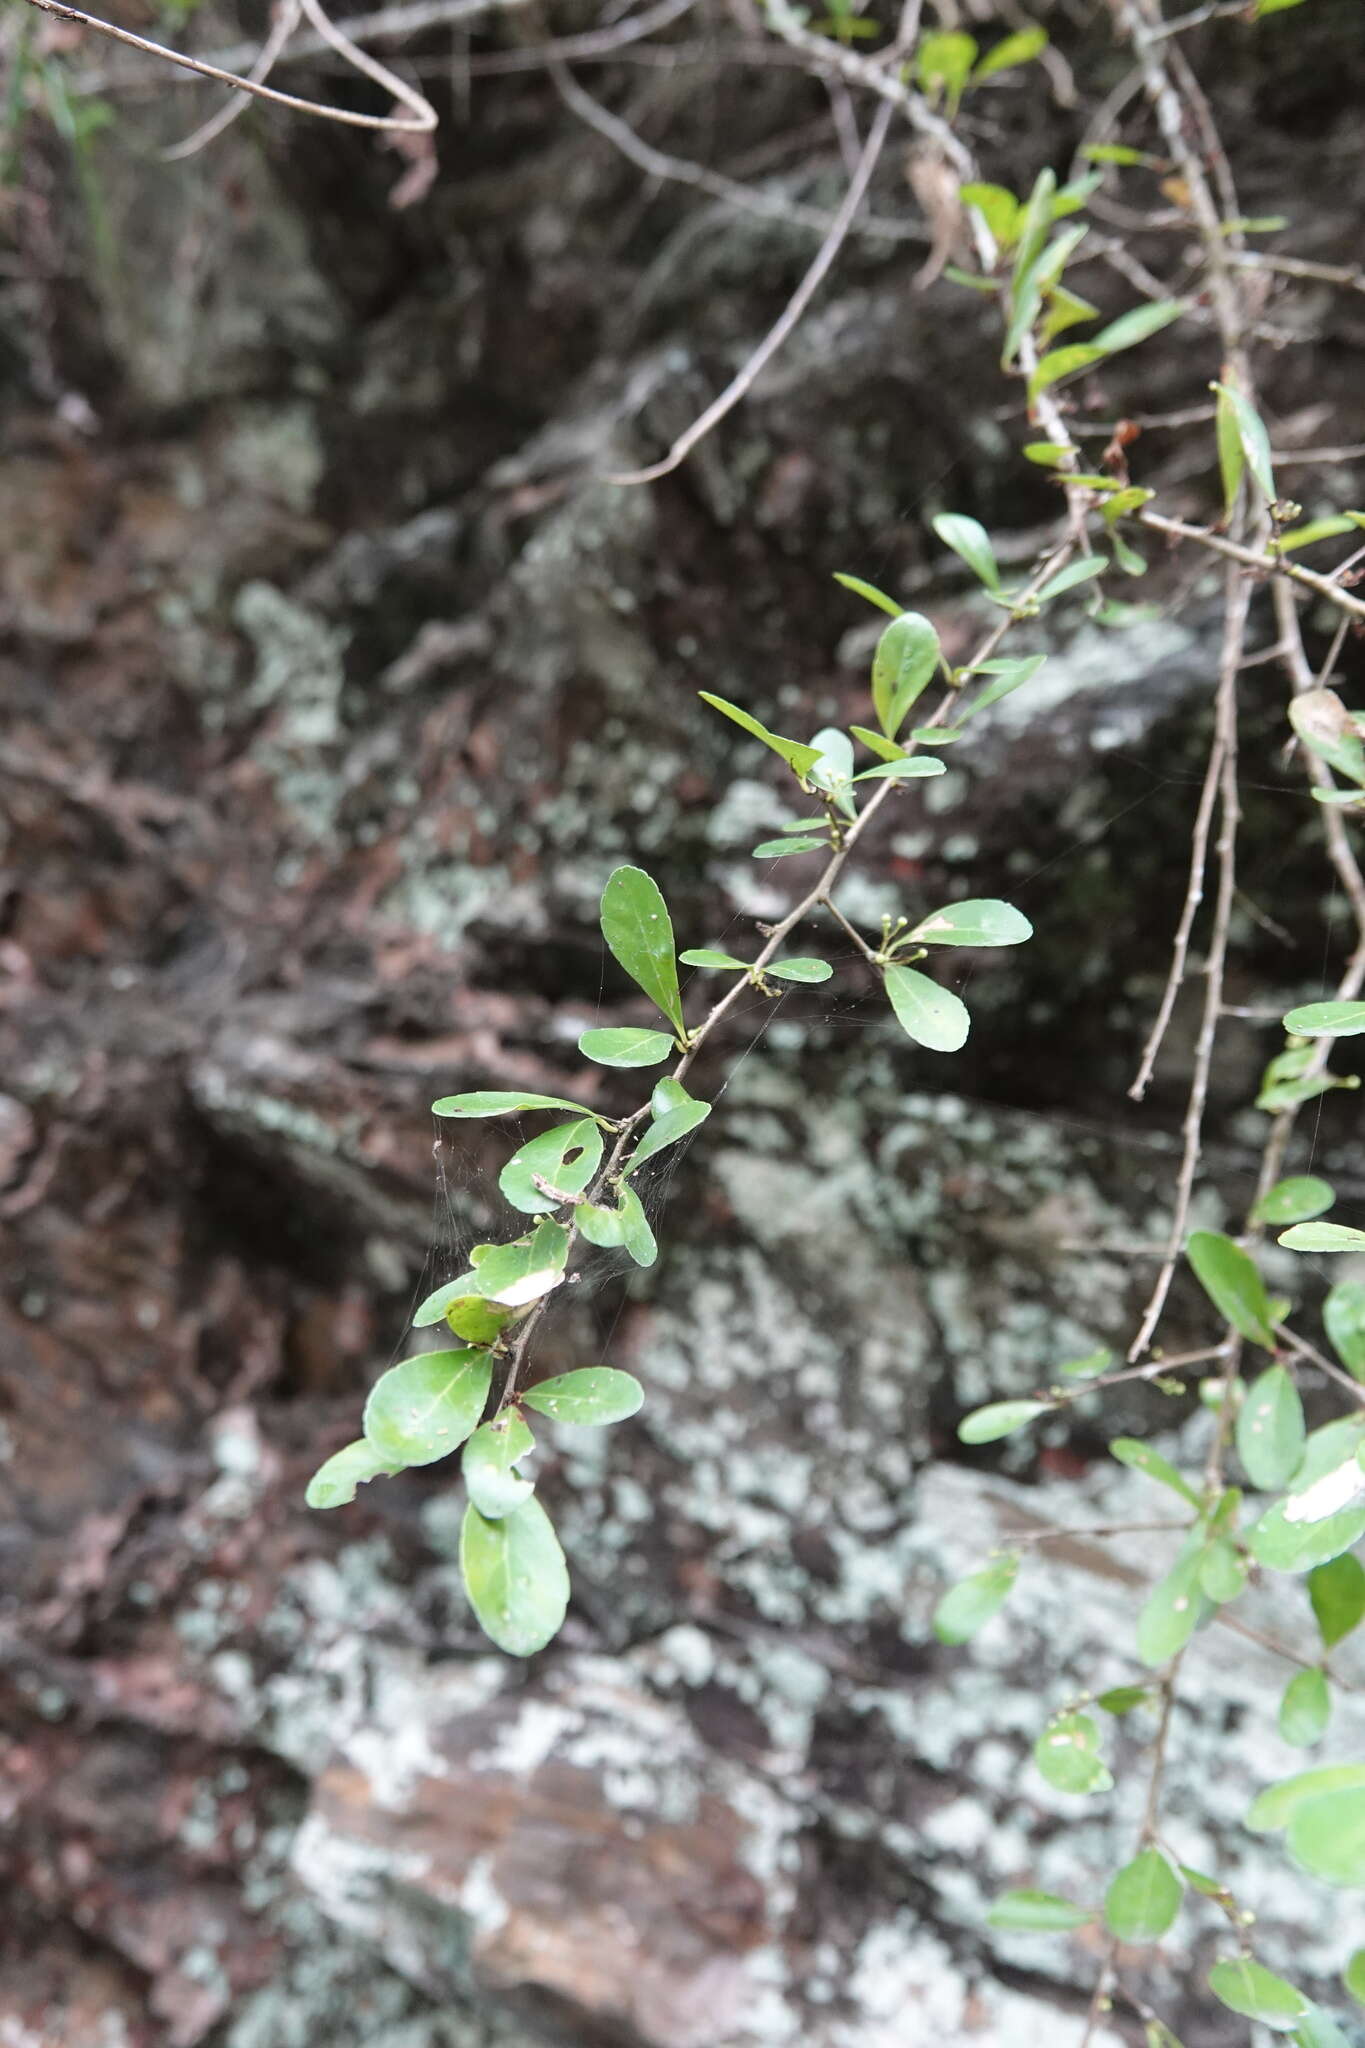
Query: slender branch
(1194, 896)
(825, 55)
(744, 198)
(420, 119)
(286, 20)
(788, 320)
(1251, 558)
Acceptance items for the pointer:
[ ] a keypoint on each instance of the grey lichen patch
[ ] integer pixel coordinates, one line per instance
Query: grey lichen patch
(299, 677)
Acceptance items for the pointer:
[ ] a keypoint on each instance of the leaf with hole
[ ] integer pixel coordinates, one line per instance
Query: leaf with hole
(1143, 1898)
(639, 935)
(970, 1604)
(567, 1157)
(932, 1016)
(334, 1483)
(424, 1409)
(515, 1575)
(980, 921)
(593, 1395)
(1305, 1709)
(1233, 1285)
(626, 1046)
(902, 667)
(487, 1463)
(1337, 1593)
(997, 1419)
(1247, 1987)
(1067, 1754)
(1271, 1432)
(799, 759)
(1294, 1201)
(1036, 1913)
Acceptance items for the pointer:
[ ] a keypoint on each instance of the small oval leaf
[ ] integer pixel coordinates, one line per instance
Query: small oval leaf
(1036, 1913)
(1233, 1285)
(1305, 1709)
(1294, 1201)
(932, 1016)
(906, 658)
(1247, 1987)
(593, 1395)
(515, 1575)
(1067, 1754)
(639, 935)
(487, 1461)
(626, 1047)
(424, 1408)
(1322, 1237)
(981, 921)
(969, 1605)
(567, 1157)
(1143, 1898)
(1271, 1432)
(1326, 1020)
(334, 1483)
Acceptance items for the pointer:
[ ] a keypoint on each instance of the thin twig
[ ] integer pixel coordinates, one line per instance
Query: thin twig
(286, 19)
(1266, 563)
(824, 55)
(746, 377)
(420, 120)
(1194, 896)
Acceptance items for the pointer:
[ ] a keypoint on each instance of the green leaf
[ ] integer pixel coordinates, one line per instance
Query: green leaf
(1327, 729)
(1327, 1836)
(516, 1578)
(504, 1102)
(1293, 1201)
(626, 1047)
(1062, 362)
(1036, 1913)
(704, 956)
(334, 1483)
(1293, 1536)
(980, 921)
(602, 1227)
(997, 1419)
(1142, 1458)
(1232, 1284)
(1121, 1699)
(1270, 1430)
(1322, 1237)
(487, 1461)
(936, 735)
(907, 769)
(931, 1015)
(1337, 1591)
(998, 208)
(1250, 430)
(567, 1157)
(1277, 1805)
(1353, 1976)
(1305, 1709)
(1008, 677)
(636, 1235)
(1318, 2029)
(667, 1129)
(639, 934)
(1231, 459)
(969, 1605)
(1047, 454)
(1068, 578)
(869, 590)
(1343, 1318)
(777, 849)
(799, 759)
(1172, 1612)
(1139, 325)
(593, 1395)
(1025, 295)
(969, 539)
(800, 969)
(668, 1094)
(476, 1320)
(424, 1409)
(1143, 1898)
(1293, 537)
(1112, 153)
(1249, 1988)
(1326, 1020)
(1222, 1573)
(519, 1273)
(885, 749)
(1067, 1755)
(1064, 309)
(946, 58)
(1019, 48)
(1088, 1368)
(902, 667)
